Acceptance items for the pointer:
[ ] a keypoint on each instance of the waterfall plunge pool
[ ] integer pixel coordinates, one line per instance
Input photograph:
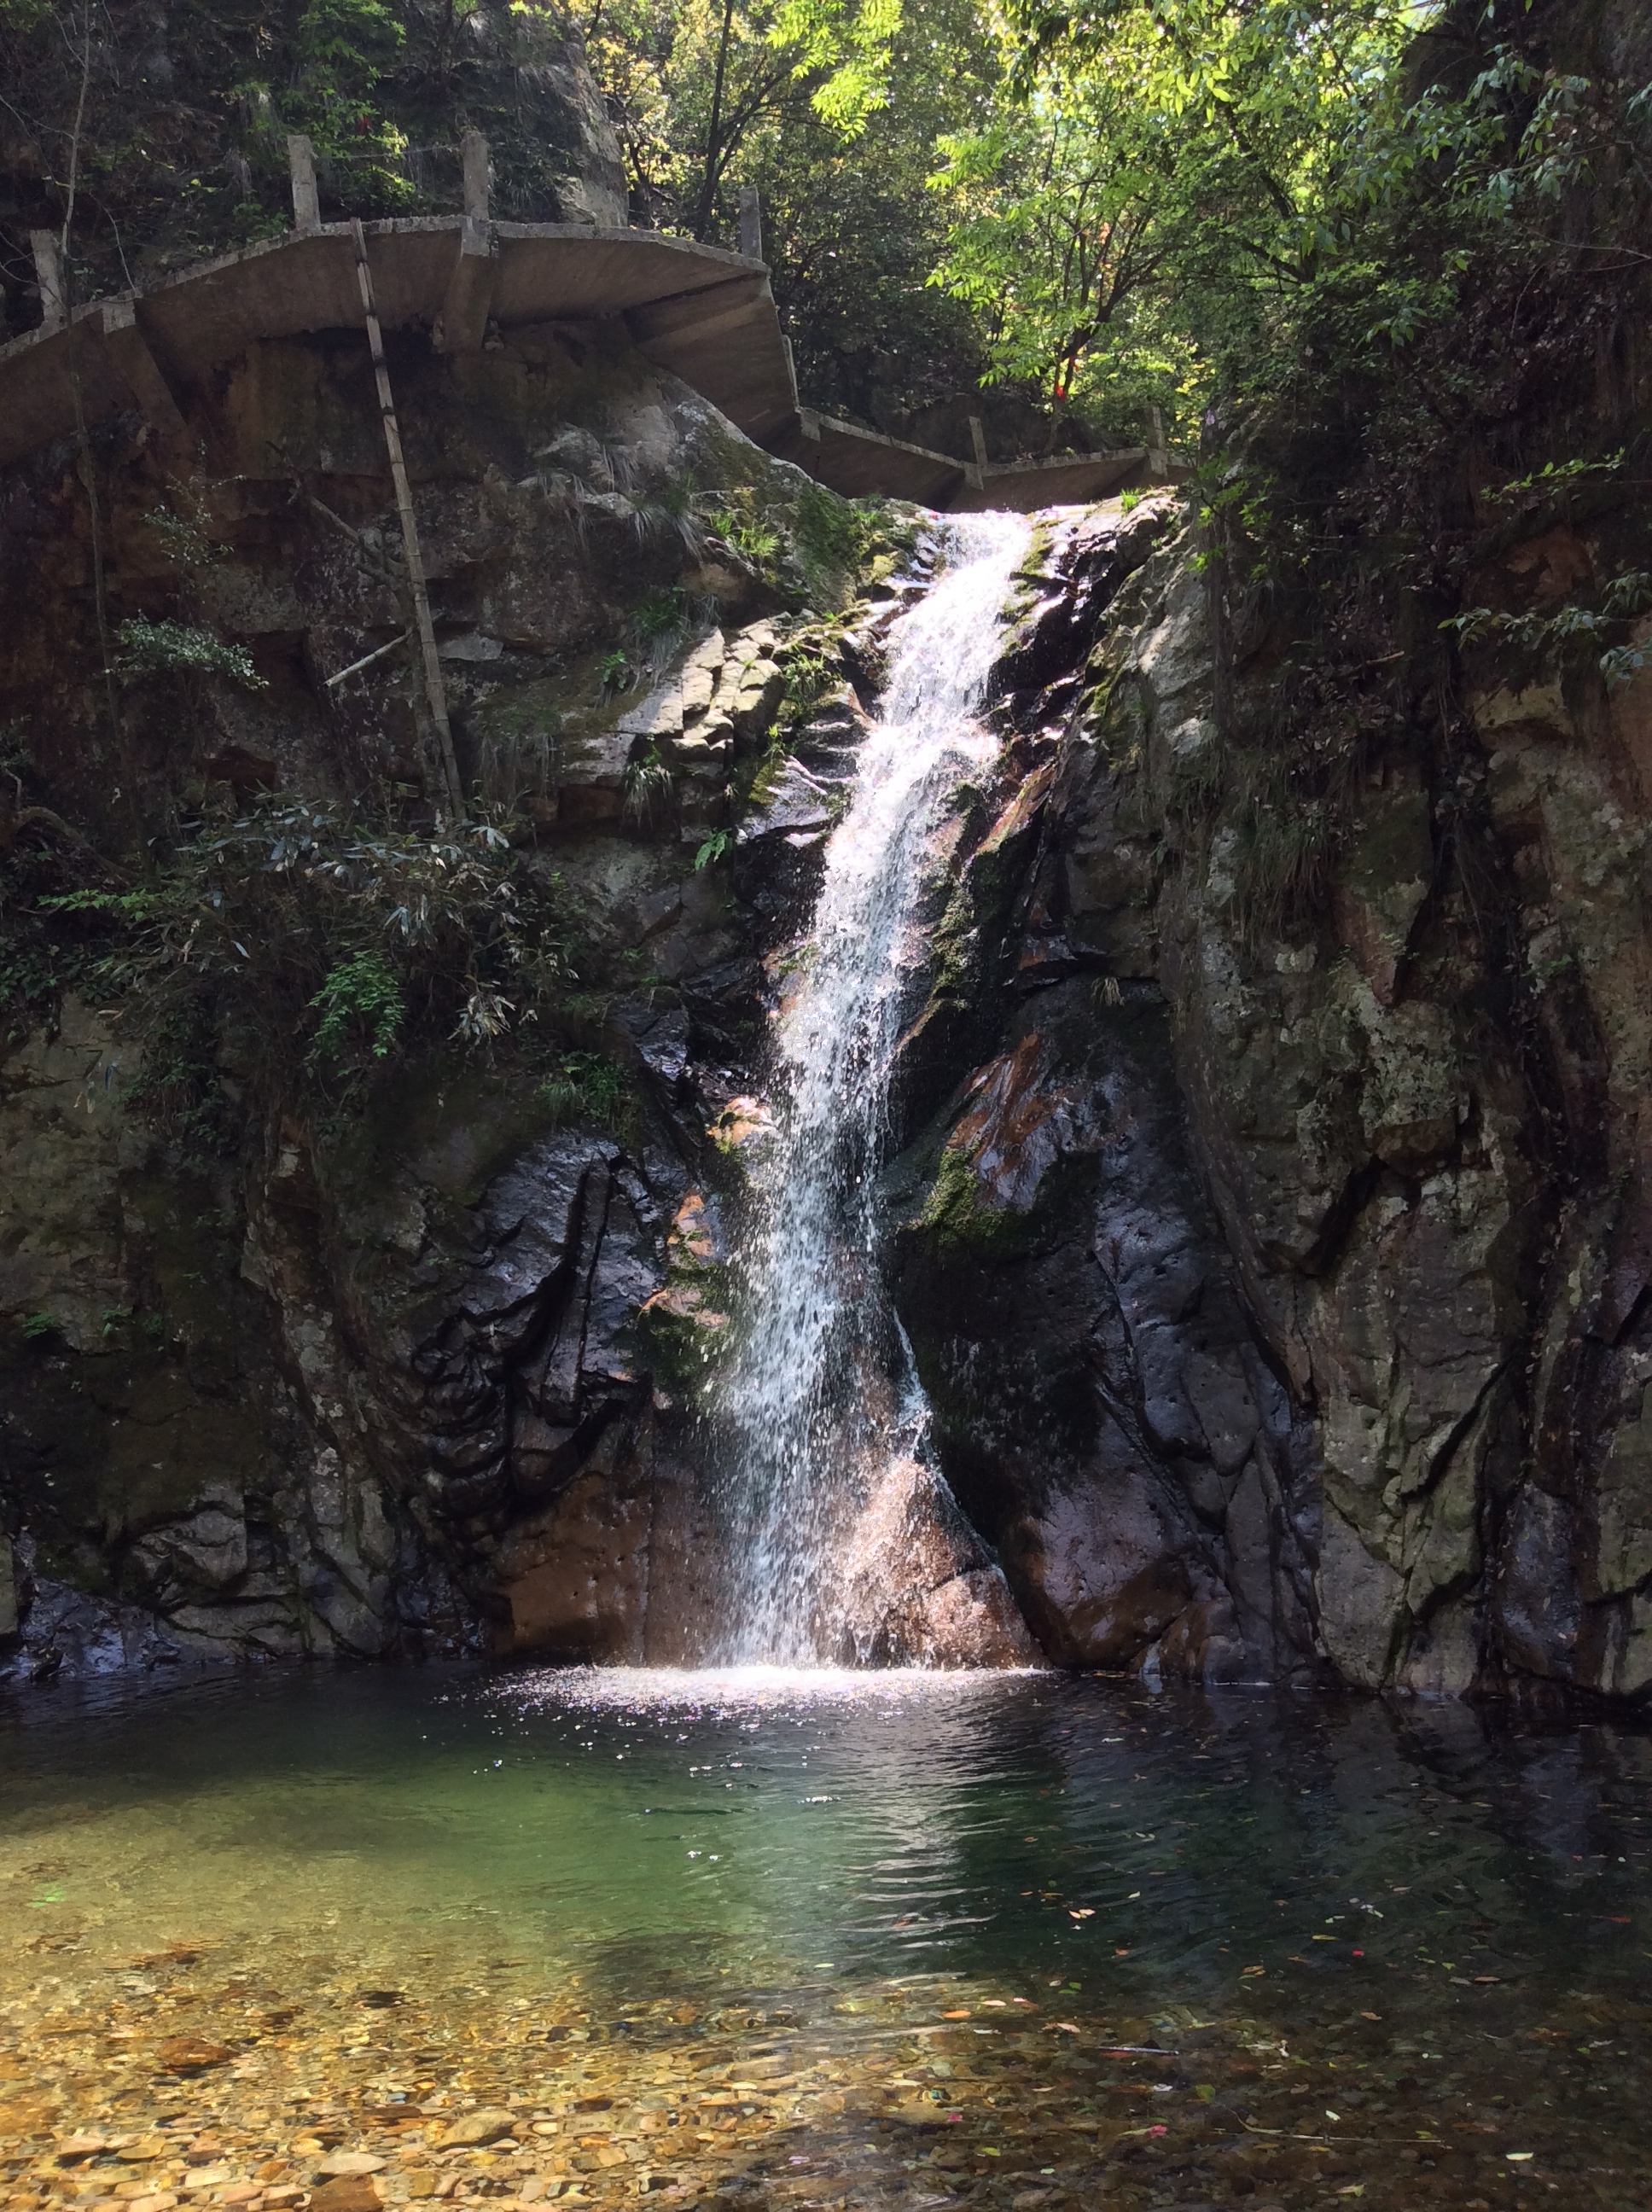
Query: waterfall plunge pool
(785, 1938)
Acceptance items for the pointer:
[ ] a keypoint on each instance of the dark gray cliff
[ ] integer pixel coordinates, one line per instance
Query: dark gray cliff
(1275, 1272)
(1279, 1278)
(295, 1361)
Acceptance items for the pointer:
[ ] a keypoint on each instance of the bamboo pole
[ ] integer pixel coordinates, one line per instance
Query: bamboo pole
(435, 690)
(367, 660)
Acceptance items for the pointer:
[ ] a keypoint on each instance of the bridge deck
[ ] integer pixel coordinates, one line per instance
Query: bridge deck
(707, 314)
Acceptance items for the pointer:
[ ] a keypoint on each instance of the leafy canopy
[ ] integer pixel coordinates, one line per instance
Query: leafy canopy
(1162, 181)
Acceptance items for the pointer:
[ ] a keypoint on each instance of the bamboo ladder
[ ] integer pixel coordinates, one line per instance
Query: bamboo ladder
(434, 689)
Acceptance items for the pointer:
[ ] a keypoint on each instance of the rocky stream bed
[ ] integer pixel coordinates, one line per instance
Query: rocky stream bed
(744, 1942)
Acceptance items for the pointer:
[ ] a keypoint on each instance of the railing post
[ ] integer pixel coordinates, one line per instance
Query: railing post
(307, 201)
(48, 275)
(751, 222)
(479, 188)
(462, 325)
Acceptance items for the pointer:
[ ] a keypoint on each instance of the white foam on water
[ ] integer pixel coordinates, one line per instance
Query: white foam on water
(755, 1688)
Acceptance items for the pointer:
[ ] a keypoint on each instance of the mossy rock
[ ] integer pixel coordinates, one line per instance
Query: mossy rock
(958, 1220)
(682, 1331)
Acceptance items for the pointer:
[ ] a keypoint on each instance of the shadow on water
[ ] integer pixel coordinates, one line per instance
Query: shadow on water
(1014, 1936)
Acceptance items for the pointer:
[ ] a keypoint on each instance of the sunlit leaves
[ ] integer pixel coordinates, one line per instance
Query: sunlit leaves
(847, 49)
(1236, 186)
(1065, 214)
(684, 125)
(1166, 174)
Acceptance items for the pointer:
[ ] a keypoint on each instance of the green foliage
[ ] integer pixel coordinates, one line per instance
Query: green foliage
(344, 51)
(35, 1326)
(178, 1091)
(1286, 842)
(183, 125)
(1555, 476)
(1066, 218)
(1178, 180)
(743, 528)
(169, 648)
(835, 534)
(833, 111)
(811, 669)
(1534, 639)
(361, 994)
(845, 51)
(694, 86)
(585, 1089)
(332, 944)
(1146, 204)
(614, 671)
(34, 972)
(649, 788)
(183, 530)
(1235, 506)
(717, 847)
(1131, 205)
(658, 613)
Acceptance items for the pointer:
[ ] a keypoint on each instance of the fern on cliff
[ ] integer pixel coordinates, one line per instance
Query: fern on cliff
(310, 947)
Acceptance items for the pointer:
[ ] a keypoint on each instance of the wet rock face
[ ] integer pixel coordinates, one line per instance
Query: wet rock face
(919, 1587)
(1101, 1404)
(1205, 1323)
(1281, 1292)
(384, 1387)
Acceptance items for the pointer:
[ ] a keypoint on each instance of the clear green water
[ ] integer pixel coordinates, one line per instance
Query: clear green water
(436, 1884)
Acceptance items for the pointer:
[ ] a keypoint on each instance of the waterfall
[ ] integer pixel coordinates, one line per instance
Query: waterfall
(819, 1393)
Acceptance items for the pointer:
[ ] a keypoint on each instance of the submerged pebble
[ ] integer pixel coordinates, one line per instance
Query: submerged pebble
(929, 2003)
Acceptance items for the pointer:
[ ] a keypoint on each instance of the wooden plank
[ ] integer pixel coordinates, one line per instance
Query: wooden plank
(300, 167)
(48, 279)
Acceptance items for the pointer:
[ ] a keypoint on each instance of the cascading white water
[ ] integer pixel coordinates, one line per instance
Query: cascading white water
(814, 1396)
